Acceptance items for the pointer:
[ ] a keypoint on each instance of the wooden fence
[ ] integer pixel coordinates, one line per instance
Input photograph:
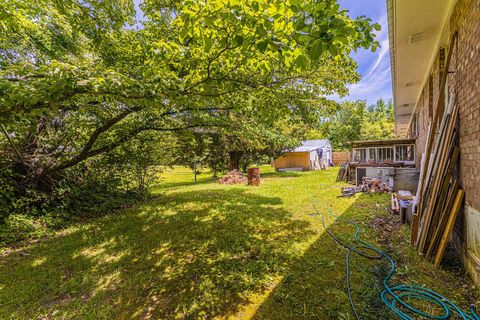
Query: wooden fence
(338, 157)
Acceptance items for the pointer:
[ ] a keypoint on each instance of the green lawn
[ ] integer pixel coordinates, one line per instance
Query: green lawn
(212, 251)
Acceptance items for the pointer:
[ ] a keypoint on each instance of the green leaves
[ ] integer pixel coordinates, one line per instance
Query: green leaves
(262, 46)
(84, 61)
(315, 51)
(355, 121)
(238, 40)
(294, 2)
(302, 61)
(255, 6)
(207, 44)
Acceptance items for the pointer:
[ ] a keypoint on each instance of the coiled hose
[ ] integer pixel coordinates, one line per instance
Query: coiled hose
(396, 297)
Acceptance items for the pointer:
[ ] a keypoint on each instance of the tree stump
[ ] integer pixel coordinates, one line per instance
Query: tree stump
(253, 176)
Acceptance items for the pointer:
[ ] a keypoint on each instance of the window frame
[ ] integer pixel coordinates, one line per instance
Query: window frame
(405, 145)
(355, 150)
(374, 149)
(384, 148)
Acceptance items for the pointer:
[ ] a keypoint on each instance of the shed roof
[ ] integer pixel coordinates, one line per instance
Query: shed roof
(310, 145)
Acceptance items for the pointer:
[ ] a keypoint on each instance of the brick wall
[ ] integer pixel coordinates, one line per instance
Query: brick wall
(465, 80)
(425, 108)
(423, 119)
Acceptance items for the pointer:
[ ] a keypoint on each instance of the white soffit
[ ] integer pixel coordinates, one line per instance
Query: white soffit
(415, 28)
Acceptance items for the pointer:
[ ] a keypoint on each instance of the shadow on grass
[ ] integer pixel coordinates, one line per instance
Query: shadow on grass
(195, 254)
(178, 184)
(203, 254)
(314, 286)
(280, 174)
(182, 179)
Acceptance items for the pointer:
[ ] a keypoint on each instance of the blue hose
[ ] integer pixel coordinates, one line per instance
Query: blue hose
(396, 297)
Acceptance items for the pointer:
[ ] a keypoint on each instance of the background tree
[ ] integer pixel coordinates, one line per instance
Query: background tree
(345, 125)
(379, 123)
(251, 136)
(355, 121)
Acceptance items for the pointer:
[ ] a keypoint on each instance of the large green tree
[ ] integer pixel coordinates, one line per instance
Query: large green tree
(354, 120)
(80, 78)
(379, 122)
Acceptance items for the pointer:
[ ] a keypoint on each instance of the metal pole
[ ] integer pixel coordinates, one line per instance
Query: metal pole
(195, 170)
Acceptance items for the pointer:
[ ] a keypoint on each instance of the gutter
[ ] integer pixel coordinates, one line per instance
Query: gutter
(391, 32)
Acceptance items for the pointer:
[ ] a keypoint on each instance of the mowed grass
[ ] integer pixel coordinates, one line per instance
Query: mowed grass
(211, 251)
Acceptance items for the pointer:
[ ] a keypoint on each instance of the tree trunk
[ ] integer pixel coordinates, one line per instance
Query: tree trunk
(245, 166)
(235, 160)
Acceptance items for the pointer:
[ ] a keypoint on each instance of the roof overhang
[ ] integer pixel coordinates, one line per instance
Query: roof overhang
(300, 150)
(415, 31)
(377, 143)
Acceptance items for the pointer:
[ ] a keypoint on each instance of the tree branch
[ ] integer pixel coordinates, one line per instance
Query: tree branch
(17, 152)
(24, 78)
(197, 109)
(107, 125)
(91, 153)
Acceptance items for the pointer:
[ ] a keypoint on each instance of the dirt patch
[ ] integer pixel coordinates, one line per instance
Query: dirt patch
(385, 224)
(65, 299)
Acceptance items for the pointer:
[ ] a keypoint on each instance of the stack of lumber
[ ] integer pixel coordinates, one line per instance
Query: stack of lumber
(344, 172)
(439, 197)
(233, 177)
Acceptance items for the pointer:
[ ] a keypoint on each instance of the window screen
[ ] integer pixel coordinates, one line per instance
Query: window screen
(405, 153)
(385, 154)
(372, 154)
(360, 155)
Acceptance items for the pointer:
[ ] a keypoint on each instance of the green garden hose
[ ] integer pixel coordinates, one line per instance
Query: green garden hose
(396, 297)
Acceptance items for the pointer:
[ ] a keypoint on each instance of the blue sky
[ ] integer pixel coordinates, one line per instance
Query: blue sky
(374, 67)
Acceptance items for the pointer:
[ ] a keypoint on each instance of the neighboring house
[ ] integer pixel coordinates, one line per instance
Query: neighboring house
(421, 36)
(311, 155)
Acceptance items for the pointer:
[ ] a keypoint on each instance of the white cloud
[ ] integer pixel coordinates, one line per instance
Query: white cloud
(375, 69)
(384, 50)
(382, 38)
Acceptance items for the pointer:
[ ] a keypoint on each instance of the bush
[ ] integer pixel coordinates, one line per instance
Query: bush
(95, 188)
(17, 227)
(32, 204)
(6, 191)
